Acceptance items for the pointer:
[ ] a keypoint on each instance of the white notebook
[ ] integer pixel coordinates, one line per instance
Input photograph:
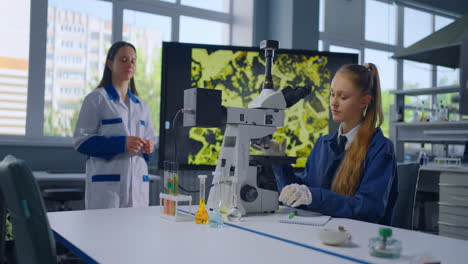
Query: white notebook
(306, 220)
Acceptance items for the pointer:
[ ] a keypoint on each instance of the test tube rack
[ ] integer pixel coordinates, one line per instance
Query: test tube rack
(175, 214)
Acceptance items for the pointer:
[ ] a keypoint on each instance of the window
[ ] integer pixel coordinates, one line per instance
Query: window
(147, 32)
(334, 48)
(380, 22)
(107, 37)
(76, 19)
(418, 25)
(441, 22)
(386, 67)
(375, 35)
(78, 36)
(95, 35)
(214, 5)
(196, 30)
(322, 16)
(14, 60)
(416, 75)
(447, 76)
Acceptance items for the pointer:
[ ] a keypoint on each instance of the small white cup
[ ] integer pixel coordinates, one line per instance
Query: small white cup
(334, 237)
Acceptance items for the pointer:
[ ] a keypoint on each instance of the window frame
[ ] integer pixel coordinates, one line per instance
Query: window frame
(34, 130)
(359, 42)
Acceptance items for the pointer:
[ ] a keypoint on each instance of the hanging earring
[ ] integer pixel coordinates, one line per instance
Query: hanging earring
(364, 110)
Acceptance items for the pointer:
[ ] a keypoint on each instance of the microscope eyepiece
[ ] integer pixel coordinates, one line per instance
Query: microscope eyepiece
(293, 95)
(269, 46)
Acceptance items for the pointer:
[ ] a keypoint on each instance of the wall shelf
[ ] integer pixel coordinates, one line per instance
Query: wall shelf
(433, 90)
(431, 140)
(438, 132)
(439, 124)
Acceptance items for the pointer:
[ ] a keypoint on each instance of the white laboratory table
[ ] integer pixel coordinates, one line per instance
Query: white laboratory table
(140, 235)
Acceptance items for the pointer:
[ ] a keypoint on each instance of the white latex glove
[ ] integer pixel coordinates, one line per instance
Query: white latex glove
(275, 149)
(295, 195)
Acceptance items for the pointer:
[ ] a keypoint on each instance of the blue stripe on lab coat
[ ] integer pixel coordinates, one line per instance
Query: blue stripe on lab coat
(111, 121)
(142, 122)
(103, 147)
(106, 178)
(145, 178)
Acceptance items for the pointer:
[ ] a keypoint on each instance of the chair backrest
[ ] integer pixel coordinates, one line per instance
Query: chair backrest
(33, 237)
(408, 174)
(2, 225)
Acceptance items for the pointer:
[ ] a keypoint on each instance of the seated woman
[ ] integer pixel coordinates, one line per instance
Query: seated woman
(350, 173)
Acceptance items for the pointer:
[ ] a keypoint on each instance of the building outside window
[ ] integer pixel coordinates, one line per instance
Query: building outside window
(147, 32)
(78, 37)
(80, 22)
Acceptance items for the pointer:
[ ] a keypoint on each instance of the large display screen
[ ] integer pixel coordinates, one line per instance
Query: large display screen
(239, 73)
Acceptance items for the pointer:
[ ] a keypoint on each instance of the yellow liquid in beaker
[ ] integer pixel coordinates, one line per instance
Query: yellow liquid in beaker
(202, 217)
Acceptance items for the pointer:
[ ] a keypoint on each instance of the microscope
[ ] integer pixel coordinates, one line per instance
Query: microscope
(255, 187)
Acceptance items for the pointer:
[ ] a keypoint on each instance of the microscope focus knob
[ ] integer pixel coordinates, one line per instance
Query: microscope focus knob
(248, 193)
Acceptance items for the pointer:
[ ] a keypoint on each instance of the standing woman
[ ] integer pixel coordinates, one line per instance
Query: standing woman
(350, 173)
(115, 131)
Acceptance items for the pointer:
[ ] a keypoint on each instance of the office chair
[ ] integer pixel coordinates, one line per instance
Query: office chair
(2, 226)
(34, 242)
(408, 174)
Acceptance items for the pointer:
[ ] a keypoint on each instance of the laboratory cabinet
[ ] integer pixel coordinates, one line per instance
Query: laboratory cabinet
(453, 204)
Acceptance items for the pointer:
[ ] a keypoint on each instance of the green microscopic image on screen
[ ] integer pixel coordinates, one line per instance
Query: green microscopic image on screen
(239, 73)
(240, 78)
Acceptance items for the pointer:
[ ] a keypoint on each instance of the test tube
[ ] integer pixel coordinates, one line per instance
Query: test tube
(234, 213)
(176, 178)
(165, 189)
(172, 173)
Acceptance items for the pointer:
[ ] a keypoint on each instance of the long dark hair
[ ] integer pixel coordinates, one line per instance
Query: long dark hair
(365, 78)
(107, 75)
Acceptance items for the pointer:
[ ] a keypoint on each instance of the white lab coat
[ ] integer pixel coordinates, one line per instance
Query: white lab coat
(114, 178)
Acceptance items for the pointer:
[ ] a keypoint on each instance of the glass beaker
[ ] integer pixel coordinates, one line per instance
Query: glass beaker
(216, 219)
(201, 216)
(234, 213)
(224, 194)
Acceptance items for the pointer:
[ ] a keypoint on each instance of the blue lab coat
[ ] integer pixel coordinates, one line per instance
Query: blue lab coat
(376, 194)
